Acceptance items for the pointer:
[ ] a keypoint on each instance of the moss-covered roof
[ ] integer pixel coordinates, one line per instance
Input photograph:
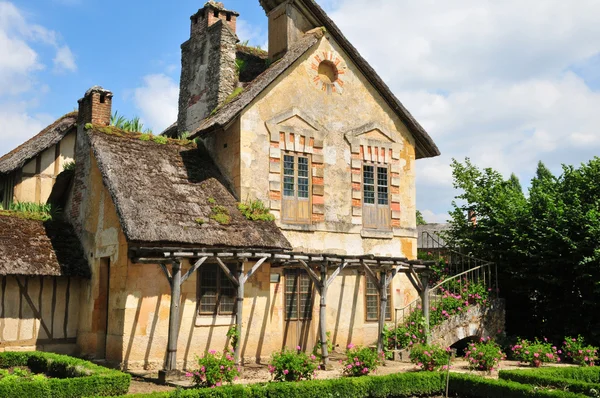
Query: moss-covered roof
(171, 194)
(33, 247)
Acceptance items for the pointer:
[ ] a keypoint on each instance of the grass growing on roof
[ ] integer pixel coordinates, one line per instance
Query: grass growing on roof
(255, 210)
(220, 214)
(32, 211)
(236, 93)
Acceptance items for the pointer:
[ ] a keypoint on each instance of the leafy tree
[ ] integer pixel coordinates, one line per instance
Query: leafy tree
(420, 218)
(546, 244)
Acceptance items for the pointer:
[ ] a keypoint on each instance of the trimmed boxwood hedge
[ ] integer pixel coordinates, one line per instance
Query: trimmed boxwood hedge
(69, 377)
(580, 380)
(391, 386)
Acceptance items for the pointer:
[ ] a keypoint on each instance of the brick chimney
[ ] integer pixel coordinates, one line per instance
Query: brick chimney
(208, 69)
(95, 107)
(288, 21)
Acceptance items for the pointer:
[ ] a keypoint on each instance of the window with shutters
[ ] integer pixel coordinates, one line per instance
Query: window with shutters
(296, 198)
(298, 295)
(372, 301)
(217, 292)
(376, 200)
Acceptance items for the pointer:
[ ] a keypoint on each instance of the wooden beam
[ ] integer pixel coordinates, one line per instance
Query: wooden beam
(371, 274)
(171, 361)
(194, 268)
(383, 299)
(315, 278)
(425, 303)
(166, 272)
(225, 269)
(253, 270)
(239, 310)
(337, 271)
(323, 313)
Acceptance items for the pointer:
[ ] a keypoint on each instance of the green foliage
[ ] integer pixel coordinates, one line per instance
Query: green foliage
(240, 65)
(159, 139)
(230, 97)
(576, 351)
(234, 336)
(89, 126)
(33, 211)
(317, 350)
(133, 125)
(69, 166)
(578, 380)
(288, 365)
(214, 369)
(485, 355)
(360, 361)
(212, 201)
(255, 210)
(535, 352)
(220, 214)
(67, 377)
(430, 357)
(420, 218)
(145, 137)
(545, 244)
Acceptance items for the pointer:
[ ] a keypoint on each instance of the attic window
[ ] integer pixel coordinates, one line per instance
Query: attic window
(216, 14)
(102, 98)
(328, 72)
(228, 17)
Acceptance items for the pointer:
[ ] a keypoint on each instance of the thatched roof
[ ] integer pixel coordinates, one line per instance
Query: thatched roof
(425, 147)
(29, 247)
(51, 135)
(232, 109)
(166, 193)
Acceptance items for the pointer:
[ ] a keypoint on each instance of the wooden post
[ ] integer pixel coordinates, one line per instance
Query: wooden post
(323, 314)
(171, 362)
(239, 311)
(425, 304)
(383, 298)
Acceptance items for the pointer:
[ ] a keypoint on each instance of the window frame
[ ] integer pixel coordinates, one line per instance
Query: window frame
(219, 290)
(306, 313)
(376, 196)
(389, 301)
(286, 199)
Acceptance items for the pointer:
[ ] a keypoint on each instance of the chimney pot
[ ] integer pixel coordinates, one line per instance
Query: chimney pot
(210, 14)
(95, 107)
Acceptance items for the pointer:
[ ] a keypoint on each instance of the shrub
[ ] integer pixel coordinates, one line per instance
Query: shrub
(67, 377)
(234, 336)
(214, 369)
(430, 357)
(360, 361)
(535, 353)
(570, 379)
(485, 355)
(575, 351)
(288, 365)
(256, 210)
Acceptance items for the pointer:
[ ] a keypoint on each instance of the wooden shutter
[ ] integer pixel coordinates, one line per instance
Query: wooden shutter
(296, 198)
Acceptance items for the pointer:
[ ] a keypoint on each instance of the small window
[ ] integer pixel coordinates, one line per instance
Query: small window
(216, 14)
(228, 16)
(102, 98)
(296, 203)
(217, 292)
(298, 295)
(376, 201)
(372, 301)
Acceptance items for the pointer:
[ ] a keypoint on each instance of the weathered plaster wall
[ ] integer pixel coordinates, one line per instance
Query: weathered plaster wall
(224, 147)
(339, 127)
(39, 313)
(37, 176)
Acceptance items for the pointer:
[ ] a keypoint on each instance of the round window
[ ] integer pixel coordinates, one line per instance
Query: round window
(328, 72)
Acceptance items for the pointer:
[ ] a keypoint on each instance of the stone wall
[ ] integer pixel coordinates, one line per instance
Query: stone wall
(478, 321)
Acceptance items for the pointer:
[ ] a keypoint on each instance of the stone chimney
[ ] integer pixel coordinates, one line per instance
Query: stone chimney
(288, 21)
(95, 107)
(208, 68)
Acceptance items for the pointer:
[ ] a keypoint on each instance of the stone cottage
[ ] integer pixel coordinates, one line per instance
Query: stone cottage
(308, 133)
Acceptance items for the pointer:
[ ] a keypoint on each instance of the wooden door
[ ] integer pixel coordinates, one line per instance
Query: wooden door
(295, 202)
(299, 295)
(376, 203)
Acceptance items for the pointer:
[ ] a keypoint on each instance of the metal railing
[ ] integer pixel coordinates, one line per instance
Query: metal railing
(463, 270)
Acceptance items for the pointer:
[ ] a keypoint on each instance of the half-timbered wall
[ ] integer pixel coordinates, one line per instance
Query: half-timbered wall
(39, 313)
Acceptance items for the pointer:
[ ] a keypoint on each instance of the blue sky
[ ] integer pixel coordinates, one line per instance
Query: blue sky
(504, 83)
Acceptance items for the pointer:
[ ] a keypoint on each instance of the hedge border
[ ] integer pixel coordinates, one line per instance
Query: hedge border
(579, 380)
(390, 386)
(84, 379)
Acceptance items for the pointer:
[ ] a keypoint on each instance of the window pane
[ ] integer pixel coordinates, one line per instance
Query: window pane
(227, 294)
(303, 176)
(382, 186)
(208, 289)
(291, 296)
(305, 296)
(369, 185)
(288, 175)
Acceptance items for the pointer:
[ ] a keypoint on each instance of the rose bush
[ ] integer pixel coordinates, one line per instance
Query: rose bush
(288, 365)
(575, 351)
(430, 357)
(535, 352)
(215, 369)
(484, 355)
(360, 361)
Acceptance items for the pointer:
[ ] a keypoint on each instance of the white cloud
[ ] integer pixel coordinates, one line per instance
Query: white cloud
(19, 65)
(432, 217)
(493, 81)
(64, 60)
(157, 101)
(254, 34)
